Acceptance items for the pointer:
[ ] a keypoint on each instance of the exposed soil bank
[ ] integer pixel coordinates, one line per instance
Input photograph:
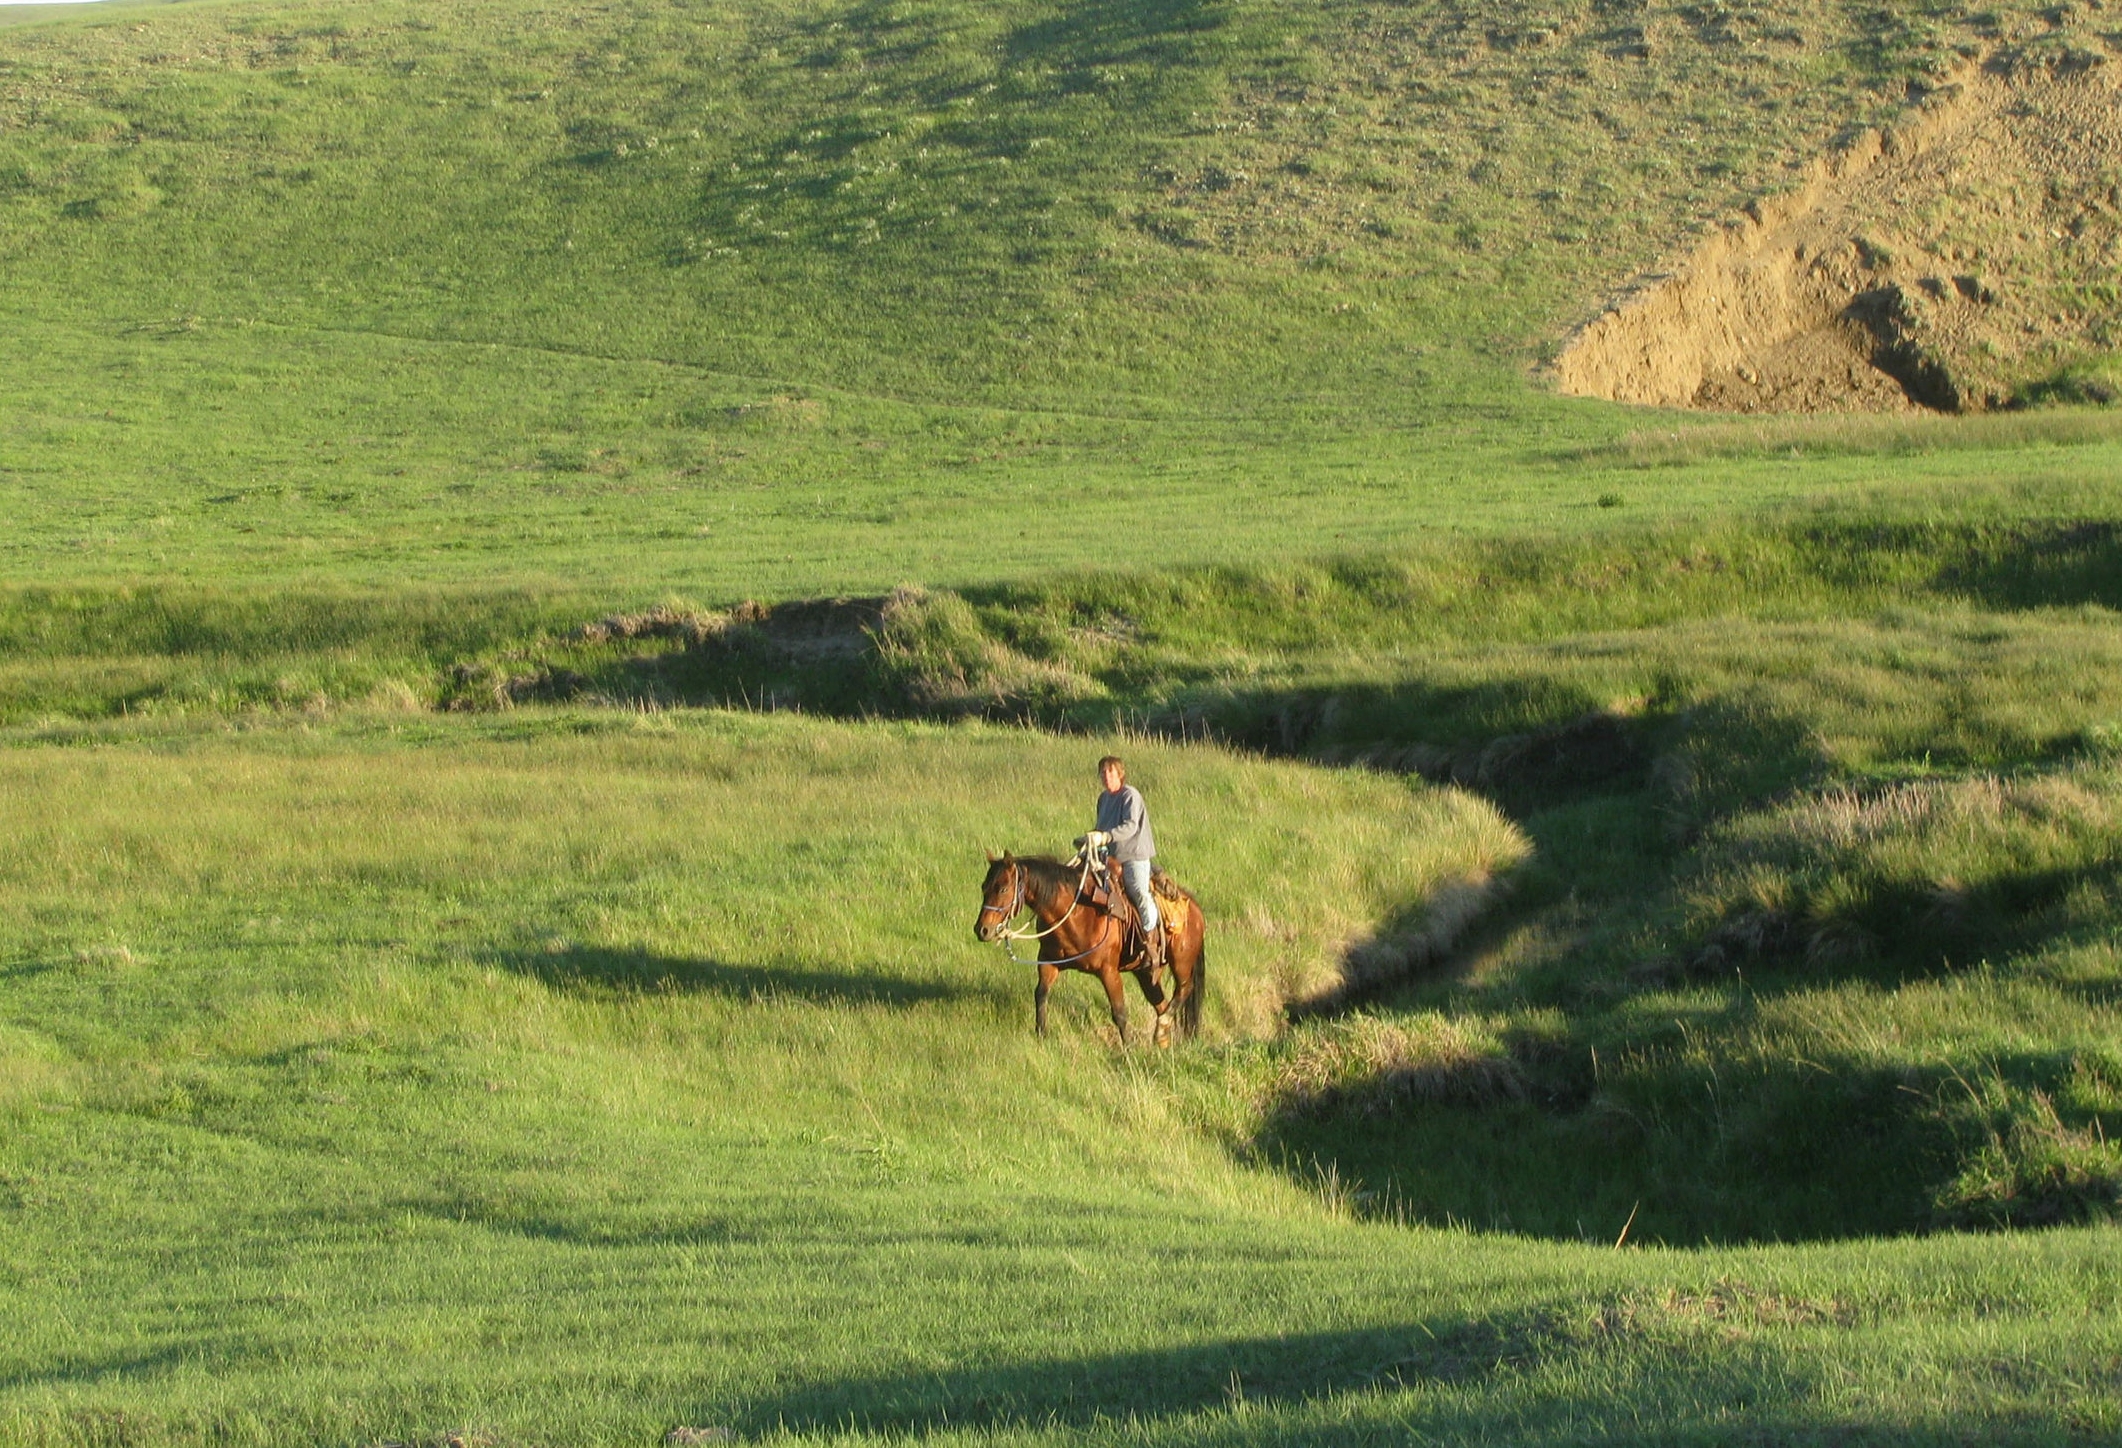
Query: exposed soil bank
(1943, 264)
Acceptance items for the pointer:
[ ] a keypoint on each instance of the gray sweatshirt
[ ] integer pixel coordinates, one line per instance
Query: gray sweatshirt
(1123, 816)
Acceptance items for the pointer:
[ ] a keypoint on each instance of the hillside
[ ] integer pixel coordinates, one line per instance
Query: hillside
(776, 300)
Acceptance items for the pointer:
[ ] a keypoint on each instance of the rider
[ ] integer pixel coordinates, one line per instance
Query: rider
(1123, 834)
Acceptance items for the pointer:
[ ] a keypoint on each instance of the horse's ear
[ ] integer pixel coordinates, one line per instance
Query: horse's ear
(991, 857)
(1008, 858)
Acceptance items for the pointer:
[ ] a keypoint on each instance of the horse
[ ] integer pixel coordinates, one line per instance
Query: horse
(1075, 933)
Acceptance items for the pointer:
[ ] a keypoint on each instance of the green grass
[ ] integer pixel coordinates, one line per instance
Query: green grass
(1648, 714)
(567, 1077)
(1675, 830)
(1231, 647)
(771, 300)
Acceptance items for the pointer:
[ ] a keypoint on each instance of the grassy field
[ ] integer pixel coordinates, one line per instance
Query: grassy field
(644, 299)
(568, 1077)
(543, 541)
(619, 1065)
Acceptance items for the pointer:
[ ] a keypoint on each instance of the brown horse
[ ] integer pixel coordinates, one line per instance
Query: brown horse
(1075, 933)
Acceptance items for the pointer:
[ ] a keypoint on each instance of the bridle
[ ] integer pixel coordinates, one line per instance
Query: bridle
(1021, 876)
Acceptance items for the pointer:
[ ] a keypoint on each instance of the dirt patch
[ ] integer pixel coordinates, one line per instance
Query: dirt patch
(1944, 264)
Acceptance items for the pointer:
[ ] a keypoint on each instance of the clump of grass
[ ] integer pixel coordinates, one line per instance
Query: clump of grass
(489, 686)
(1377, 1065)
(2095, 381)
(936, 657)
(2033, 1170)
(683, 623)
(1907, 876)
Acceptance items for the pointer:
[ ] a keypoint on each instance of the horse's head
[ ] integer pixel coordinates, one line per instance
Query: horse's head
(1001, 896)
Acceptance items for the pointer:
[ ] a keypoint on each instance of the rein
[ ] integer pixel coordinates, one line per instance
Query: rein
(1010, 935)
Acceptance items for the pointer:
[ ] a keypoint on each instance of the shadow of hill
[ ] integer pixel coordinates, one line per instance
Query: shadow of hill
(1527, 739)
(1652, 1092)
(1696, 1128)
(589, 970)
(1677, 1152)
(1246, 1374)
(1529, 745)
(1890, 930)
(1109, 32)
(2045, 565)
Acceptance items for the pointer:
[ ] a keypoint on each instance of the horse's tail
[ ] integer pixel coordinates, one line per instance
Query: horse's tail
(1190, 1008)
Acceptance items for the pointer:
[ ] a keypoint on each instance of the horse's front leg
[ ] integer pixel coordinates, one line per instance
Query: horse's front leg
(1047, 976)
(1153, 991)
(1118, 996)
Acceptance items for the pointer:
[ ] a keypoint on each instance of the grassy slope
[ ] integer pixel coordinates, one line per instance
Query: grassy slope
(555, 1080)
(772, 300)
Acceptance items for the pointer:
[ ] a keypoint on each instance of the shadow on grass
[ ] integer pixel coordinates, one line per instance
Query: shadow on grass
(1314, 1383)
(1680, 1123)
(1650, 1095)
(588, 970)
(1890, 931)
(96, 1372)
(2044, 565)
(1671, 1151)
(1105, 32)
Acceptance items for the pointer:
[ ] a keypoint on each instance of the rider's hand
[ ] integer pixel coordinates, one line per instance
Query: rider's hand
(1095, 840)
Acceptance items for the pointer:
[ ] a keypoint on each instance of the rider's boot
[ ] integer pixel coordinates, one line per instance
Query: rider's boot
(1153, 949)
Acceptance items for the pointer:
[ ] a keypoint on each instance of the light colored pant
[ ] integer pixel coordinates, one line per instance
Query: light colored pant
(1134, 878)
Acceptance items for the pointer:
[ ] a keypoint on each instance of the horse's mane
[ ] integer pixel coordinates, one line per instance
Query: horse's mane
(1044, 865)
(1060, 870)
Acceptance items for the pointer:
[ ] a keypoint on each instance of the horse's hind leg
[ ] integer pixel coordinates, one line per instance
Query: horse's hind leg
(1186, 984)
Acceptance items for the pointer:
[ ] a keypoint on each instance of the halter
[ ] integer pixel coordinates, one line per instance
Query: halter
(1010, 935)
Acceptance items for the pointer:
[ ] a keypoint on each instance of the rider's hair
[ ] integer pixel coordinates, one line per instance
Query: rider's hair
(1112, 761)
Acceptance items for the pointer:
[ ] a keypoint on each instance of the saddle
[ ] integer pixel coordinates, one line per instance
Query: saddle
(1104, 892)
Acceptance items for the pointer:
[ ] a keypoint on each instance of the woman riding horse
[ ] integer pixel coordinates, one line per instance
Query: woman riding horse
(1123, 834)
(1076, 933)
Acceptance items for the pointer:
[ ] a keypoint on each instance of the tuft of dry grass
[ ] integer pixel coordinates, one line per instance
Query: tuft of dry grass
(939, 659)
(2034, 1169)
(690, 626)
(1379, 1064)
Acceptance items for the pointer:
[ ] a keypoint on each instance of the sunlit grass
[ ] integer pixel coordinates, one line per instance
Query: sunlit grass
(570, 1076)
(1680, 444)
(1703, 837)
